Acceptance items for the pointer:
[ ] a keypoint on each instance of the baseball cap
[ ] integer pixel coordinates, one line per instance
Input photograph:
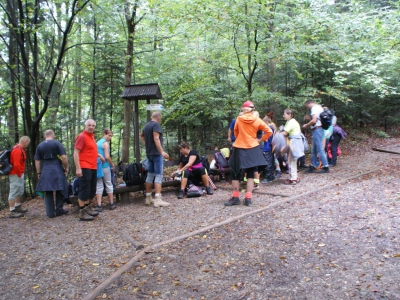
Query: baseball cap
(248, 104)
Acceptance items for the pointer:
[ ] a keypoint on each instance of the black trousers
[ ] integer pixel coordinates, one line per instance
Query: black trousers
(49, 201)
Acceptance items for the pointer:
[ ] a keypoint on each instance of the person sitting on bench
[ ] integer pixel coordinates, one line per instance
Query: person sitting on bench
(191, 168)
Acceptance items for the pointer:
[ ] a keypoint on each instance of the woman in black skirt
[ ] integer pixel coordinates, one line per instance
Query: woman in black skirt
(247, 154)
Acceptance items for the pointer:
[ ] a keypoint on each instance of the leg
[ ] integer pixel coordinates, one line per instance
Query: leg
(158, 170)
(60, 204)
(319, 138)
(293, 168)
(250, 185)
(235, 190)
(107, 178)
(49, 202)
(14, 199)
(99, 190)
(334, 146)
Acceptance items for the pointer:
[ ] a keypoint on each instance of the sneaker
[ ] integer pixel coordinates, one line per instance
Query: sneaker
(278, 174)
(15, 214)
(247, 201)
(149, 200)
(256, 187)
(209, 190)
(332, 165)
(99, 208)
(158, 202)
(112, 206)
(91, 212)
(181, 194)
(301, 167)
(61, 212)
(266, 180)
(20, 210)
(84, 216)
(311, 169)
(232, 201)
(323, 170)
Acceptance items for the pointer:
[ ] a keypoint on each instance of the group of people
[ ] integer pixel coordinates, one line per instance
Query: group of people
(246, 133)
(51, 165)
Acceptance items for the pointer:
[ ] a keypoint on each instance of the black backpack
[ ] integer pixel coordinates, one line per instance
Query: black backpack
(5, 165)
(133, 175)
(326, 118)
(205, 163)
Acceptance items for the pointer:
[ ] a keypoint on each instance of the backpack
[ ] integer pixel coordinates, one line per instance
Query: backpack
(194, 191)
(220, 161)
(133, 175)
(326, 118)
(5, 165)
(205, 163)
(75, 186)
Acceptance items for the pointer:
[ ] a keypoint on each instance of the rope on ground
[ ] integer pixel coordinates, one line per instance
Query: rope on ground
(150, 249)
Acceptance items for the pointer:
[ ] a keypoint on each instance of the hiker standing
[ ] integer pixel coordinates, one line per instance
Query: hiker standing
(17, 178)
(51, 164)
(152, 137)
(85, 158)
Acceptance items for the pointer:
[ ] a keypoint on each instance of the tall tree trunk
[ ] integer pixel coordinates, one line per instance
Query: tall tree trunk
(131, 22)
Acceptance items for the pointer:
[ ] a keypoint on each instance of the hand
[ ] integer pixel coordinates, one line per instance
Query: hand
(229, 140)
(165, 155)
(79, 172)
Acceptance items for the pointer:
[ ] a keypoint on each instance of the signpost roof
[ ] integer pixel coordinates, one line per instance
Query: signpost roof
(142, 92)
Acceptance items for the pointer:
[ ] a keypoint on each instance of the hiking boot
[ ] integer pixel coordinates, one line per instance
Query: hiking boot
(112, 206)
(247, 201)
(158, 202)
(61, 212)
(181, 194)
(84, 216)
(301, 167)
(209, 190)
(311, 169)
(20, 210)
(256, 187)
(278, 174)
(91, 212)
(149, 200)
(232, 201)
(99, 208)
(266, 180)
(15, 214)
(323, 170)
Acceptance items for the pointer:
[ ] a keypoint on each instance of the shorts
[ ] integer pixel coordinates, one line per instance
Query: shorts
(87, 184)
(17, 186)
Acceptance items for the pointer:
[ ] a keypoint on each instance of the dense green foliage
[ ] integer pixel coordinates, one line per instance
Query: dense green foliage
(65, 61)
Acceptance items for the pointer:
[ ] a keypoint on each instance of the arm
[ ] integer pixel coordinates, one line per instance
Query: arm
(141, 136)
(267, 131)
(156, 137)
(38, 167)
(174, 173)
(229, 135)
(77, 162)
(106, 147)
(192, 159)
(312, 122)
(64, 161)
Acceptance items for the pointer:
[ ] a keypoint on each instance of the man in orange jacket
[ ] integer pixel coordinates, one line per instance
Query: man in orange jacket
(17, 179)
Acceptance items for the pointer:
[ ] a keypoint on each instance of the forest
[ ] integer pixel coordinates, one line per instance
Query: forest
(63, 62)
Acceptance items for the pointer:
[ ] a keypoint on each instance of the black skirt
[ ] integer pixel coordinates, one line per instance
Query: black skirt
(242, 159)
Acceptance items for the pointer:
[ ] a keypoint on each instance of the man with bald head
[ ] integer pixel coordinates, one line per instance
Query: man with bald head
(17, 178)
(85, 158)
(51, 164)
(152, 137)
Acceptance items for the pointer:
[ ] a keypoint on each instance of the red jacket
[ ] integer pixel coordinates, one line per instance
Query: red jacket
(17, 160)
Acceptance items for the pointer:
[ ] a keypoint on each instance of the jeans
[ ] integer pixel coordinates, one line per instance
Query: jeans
(156, 165)
(317, 149)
